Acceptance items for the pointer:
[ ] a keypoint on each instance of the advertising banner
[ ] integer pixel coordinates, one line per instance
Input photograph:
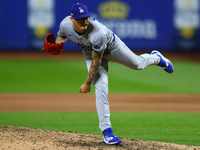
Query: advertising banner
(41, 20)
(143, 25)
(186, 22)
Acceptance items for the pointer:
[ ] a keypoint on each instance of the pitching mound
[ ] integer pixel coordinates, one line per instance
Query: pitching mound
(30, 139)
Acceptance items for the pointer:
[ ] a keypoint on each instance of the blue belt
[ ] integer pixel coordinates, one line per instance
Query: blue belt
(113, 37)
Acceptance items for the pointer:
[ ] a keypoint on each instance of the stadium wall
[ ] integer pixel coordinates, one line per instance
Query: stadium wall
(165, 25)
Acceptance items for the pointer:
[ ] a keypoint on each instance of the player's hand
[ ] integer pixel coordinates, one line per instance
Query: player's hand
(84, 88)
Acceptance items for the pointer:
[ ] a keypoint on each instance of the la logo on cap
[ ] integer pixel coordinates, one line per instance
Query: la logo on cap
(81, 10)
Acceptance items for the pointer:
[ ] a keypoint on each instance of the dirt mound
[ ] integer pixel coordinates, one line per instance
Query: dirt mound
(31, 139)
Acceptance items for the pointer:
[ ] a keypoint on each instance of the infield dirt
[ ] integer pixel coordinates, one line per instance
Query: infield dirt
(21, 138)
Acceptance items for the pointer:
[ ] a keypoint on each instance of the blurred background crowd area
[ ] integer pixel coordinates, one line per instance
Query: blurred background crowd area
(167, 25)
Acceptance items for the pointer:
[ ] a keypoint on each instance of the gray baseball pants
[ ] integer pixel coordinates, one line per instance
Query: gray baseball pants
(121, 54)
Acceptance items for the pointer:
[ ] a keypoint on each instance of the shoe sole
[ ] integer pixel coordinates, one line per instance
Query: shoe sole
(113, 143)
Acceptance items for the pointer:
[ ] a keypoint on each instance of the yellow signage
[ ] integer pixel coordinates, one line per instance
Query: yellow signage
(114, 10)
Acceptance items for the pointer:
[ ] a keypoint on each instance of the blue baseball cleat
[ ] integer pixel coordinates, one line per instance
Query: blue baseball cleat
(110, 138)
(164, 62)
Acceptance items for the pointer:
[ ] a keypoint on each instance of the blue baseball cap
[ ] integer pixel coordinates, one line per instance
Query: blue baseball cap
(79, 11)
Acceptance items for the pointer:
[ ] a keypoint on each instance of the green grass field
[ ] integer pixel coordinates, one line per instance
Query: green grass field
(20, 76)
(42, 76)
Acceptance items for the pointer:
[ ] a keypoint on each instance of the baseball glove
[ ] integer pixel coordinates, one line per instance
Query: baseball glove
(50, 46)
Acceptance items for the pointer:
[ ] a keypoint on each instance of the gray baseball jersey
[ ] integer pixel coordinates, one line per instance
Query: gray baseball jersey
(99, 38)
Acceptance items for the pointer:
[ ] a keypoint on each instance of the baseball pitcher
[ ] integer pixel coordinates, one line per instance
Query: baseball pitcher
(100, 45)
